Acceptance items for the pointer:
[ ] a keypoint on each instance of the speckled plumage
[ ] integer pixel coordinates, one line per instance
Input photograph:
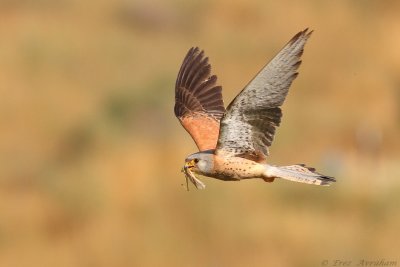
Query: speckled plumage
(234, 143)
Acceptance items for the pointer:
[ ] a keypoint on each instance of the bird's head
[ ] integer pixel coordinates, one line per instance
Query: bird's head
(200, 163)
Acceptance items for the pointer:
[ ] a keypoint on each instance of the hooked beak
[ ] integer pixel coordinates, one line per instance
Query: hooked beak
(189, 164)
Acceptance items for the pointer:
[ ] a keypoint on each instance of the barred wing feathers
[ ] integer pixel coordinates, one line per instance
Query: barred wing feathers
(198, 100)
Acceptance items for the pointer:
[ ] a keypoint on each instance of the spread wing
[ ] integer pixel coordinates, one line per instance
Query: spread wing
(198, 100)
(248, 126)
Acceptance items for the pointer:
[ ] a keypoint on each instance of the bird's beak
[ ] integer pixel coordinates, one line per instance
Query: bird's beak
(189, 164)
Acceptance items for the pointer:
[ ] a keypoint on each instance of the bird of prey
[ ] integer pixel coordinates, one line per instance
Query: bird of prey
(233, 143)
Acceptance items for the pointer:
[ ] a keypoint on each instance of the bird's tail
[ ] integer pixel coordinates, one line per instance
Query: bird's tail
(297, 173)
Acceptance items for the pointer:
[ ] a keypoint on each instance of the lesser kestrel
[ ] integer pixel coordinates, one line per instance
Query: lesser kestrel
(233, 143)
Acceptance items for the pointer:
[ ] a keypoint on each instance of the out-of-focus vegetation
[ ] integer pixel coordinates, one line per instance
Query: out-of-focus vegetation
(91, 152)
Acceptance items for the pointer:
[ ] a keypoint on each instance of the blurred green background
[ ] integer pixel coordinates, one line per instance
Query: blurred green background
(91, 151)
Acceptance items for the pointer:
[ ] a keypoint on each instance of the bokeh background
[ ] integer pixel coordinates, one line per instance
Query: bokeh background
(90, 151)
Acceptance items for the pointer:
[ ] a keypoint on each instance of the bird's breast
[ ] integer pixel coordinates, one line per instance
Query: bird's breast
(236, 168)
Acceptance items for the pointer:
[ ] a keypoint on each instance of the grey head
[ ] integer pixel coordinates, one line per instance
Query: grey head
(201, 162)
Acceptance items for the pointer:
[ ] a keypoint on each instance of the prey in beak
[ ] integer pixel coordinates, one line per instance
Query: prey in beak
(187, 170)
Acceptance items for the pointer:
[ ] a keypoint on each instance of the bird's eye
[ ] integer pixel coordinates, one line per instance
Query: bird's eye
(196, 160)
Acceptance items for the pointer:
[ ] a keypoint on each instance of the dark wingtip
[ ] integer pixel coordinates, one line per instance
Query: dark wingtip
(194, 49)
(326, 180)
(192, 53)
(195, 87)
(304, 33)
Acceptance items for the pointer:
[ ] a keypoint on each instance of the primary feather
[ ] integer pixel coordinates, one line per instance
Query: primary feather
(198, 100)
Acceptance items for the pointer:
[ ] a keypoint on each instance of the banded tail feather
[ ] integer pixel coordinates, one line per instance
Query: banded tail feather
(298, 173)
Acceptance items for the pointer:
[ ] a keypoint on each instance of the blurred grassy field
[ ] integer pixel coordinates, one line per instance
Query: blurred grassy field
(91, 152)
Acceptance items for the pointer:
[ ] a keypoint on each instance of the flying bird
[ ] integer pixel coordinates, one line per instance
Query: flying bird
(233, 142)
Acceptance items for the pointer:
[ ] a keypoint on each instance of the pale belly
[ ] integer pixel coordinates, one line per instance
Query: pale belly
(235, 168)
